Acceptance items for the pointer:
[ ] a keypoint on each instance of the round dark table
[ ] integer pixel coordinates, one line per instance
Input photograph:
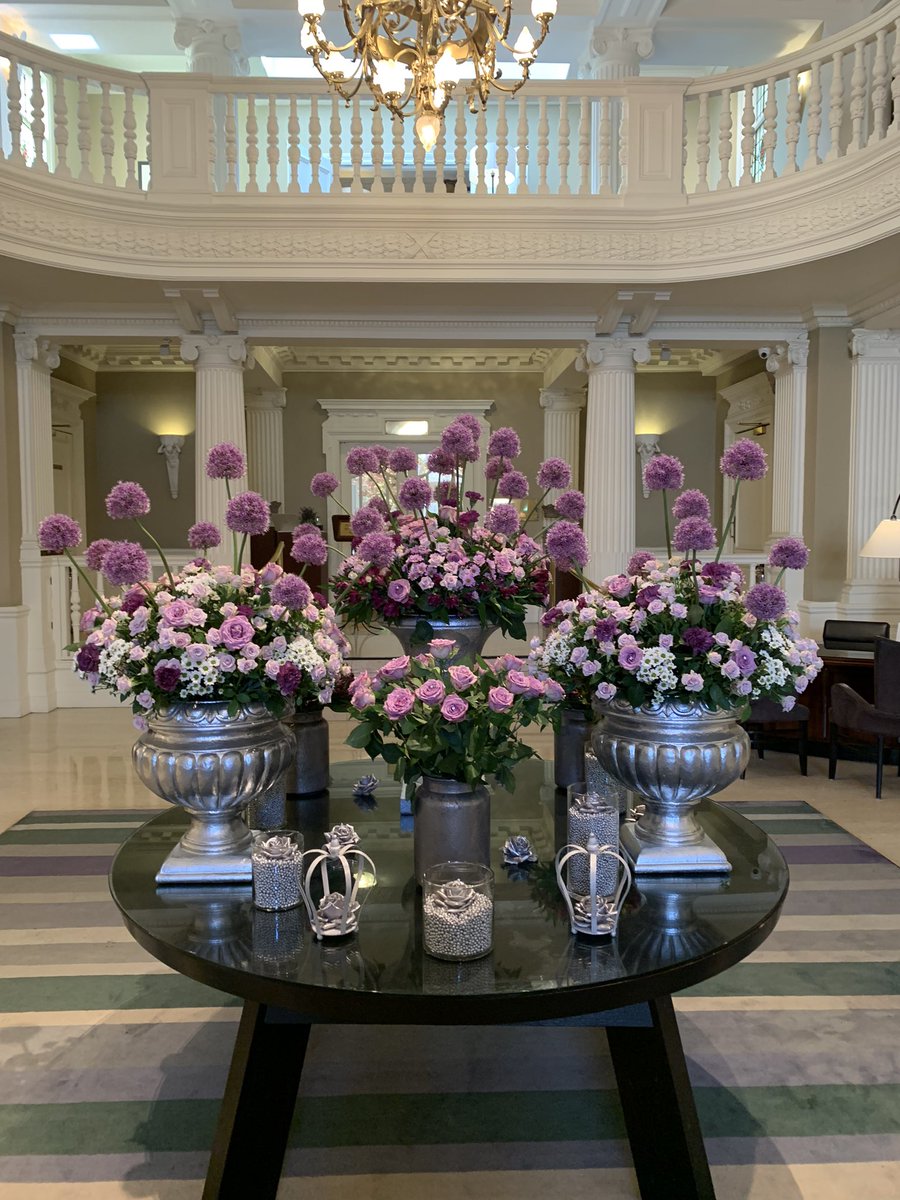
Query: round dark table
(674, 932)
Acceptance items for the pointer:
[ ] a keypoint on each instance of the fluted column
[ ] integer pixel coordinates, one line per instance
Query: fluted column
(265, 442)
(219, 370)
(211, 47)
(562, 427)
(609, 450)
(871, 589)
(788, 365)
(616, 52)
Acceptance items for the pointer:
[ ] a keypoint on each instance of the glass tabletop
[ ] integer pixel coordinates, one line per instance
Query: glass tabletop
(673, 931)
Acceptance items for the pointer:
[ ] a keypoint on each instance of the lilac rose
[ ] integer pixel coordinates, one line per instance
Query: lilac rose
(454, 708)
(236, 632)
(432, 691)
(630, 657)
(396, 668)
(398, 590)
(462, 677)
(398, 703)
(500, 699)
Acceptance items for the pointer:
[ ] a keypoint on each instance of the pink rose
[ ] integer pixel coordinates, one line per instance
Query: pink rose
(362, 698)
(554, 691)
(177, 613)
(630, 657)
(398, 703)
(236, 632)
(618, 585)
(396, 668)
(432, 691)
(500, 700)
(442, 648)
(398, 590)
(454, 708)
(605, 691)
(462, 677)
(519, 682)
(692, 682)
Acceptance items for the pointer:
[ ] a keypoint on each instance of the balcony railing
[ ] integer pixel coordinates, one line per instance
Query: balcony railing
(645, 139)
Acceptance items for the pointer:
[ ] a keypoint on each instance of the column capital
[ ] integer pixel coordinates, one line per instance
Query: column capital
(612, 354)
(266, 399)
(616, 52)
(214, 350)
(788, 355)
(563, 399)
(212, 47)
(882, 345)
(36, 351)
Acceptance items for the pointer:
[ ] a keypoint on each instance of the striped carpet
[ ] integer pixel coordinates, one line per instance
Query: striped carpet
(112, 1066)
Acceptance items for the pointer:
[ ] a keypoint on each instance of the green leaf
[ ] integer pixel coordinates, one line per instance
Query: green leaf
(359, 737)
(391, 752)
(695, 614)
(423, 631)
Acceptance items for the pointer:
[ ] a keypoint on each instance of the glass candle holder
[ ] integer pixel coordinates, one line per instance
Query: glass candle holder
(600, 781)
(458, 910)
(275, 859)
(590, 814)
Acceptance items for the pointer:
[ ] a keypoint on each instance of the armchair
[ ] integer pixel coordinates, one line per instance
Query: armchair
(849, 711)
(853, 635)
(769, 712)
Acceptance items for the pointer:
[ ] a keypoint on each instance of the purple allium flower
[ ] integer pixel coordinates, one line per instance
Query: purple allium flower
(638, 561)
(378, 505)
(382, 454)
(87, 659)
(125, 562)
(166, 675)
(58, 533)
(454, 709)
(362, 460)
(693, 533)
(554, 473)
(292, 591)
(570, 505)
(567, 546)
(494, 468)
(790, 552)
(513, 485)
(247, 513)
(471, 422)
(744, 459)
(468, 518)
(127, 501)
(93, 556)
(698, 639)
(402, 459)
(288, 678)
(377, 548)
(503, 519)
(225, 461)
(310, 548)
(440, 462)
(414, 493)
(766, 601)
(323, 483)
(398, 590)
(663, 472)
(504, 443)
(366, 520)
(691, 503)
(446, 493)
(204, 536)
(718, 573)
(457, 440)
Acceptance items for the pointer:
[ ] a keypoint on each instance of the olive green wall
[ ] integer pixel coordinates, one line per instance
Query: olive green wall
(826, 498)
(10, 496)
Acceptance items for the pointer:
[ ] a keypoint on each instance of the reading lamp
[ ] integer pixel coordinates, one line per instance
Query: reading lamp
(885, 540)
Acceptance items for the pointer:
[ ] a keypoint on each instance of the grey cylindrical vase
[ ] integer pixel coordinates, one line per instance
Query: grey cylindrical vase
(569, 744)
(311, 763)
(452, 823)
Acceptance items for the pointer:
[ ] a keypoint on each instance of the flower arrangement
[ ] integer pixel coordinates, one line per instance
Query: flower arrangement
(228, 633)
(428, 551)
(683, 627)
(428, 717)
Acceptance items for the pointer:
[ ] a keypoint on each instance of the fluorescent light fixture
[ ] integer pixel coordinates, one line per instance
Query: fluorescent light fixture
(74, 41)
(406, 428)
(290, 68)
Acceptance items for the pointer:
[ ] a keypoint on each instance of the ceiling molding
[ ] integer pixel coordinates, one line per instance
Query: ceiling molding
(123, 357)
(382, 358)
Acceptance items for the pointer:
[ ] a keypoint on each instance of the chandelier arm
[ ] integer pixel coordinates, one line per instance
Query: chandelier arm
(348, 20)
(538, 42)
(325, 46)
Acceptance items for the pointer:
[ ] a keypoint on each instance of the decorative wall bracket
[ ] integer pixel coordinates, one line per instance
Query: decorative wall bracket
(646, 445)
(171, 446)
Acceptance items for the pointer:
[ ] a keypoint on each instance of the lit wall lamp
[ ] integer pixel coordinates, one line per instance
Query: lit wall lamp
(171, 446)
(885, 539)
(646, 444)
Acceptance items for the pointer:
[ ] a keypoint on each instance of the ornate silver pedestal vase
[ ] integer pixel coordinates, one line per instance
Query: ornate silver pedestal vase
(468, 633)
(569, 743)
(452, 823)
(673, 755)
(213, 765)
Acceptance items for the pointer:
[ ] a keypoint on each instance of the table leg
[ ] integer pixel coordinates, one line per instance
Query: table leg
(658, 1103)
(255, 1117)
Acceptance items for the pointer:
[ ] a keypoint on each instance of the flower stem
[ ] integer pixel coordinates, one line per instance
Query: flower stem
(537, 507)
(665, 501)
(93, 590)
(240, 557)
(780, 576)
(234, 544)
(729, 522)
(166, 567)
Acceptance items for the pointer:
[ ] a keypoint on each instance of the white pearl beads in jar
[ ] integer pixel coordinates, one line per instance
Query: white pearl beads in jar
(457, 910)
(587, 815)
(275, 859)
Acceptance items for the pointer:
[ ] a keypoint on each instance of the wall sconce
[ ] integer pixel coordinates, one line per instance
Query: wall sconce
(646, 445)
(171, 446)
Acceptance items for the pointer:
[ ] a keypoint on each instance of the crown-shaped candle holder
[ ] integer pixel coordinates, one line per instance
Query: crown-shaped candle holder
(593, 914)
(335, 883)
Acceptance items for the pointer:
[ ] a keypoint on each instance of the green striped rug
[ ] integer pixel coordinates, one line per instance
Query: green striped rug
(112, 1066)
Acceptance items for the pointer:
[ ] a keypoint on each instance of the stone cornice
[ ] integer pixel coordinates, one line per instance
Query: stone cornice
(377, 358)
(876, 345)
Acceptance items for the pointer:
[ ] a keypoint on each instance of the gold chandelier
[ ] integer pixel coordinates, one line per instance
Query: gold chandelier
(412, 53)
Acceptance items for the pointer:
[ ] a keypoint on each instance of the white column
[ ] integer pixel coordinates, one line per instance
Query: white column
(211, 47)
(616, 52)
(35, 359)
(562, 427)
(609, 458)
(871, 590)
(788, 365)
(219, 369)
(265, 442)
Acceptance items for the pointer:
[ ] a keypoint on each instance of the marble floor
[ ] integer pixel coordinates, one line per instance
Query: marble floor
(80, 758)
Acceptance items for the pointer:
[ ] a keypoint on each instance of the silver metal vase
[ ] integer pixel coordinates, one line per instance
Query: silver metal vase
(673, 755)
(468, 633)
(213, 765)
(451, 823)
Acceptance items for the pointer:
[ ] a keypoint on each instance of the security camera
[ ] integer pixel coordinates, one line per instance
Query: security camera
(764, 352)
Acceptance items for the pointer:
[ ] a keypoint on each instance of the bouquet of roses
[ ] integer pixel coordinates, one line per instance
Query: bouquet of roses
(429, 717)
(409, 560)
(227, 633)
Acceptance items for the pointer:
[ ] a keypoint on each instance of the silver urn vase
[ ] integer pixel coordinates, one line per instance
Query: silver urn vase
(451, 823)
(213, 765)
(468, 633)
(673, 755)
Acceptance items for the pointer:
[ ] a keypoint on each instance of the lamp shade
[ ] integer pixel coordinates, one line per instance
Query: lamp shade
(885, 540)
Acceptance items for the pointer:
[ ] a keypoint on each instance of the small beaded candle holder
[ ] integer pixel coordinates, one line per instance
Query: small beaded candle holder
(458, 910)
(588, 815)
(275, 860)
(599, 780)
(593, 913)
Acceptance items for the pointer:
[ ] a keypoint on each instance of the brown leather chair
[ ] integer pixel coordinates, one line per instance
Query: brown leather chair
(849, 711)
(770, 712)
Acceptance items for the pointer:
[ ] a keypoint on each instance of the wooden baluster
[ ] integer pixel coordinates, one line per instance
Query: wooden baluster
(129, 141)
(814, 115)
(836, 107)
(895, 81)
(38, 129)
(84, 131)
(543, 154)
(61, 127)
(356, 186)
(623, 146)
(564, 189)
(440, 160)
(14, 112)
(792, 132)
(273, 152)
(726, 125)
(107, 142)
(252, 145)
(462, 182)
(747, 138)
(584, 147)
(335, 131)
(604, 149)
(397, 155)
(315, 147)
(522, 148)
(703, 128)
(293, 145)
(502, 136)
(481, 152)
(858, 81)
(770, 129)
(880, 88)
(418, 166)
(230, 145)
(377, 151)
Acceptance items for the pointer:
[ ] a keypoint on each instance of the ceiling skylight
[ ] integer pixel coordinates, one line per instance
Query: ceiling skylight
(74, 41)
(290, 68)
